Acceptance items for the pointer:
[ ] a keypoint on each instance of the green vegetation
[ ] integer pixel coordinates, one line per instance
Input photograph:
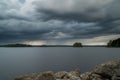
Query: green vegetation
(114, 43)
(77, 44)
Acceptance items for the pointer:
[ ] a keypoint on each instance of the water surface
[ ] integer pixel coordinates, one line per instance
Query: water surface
(17, 61)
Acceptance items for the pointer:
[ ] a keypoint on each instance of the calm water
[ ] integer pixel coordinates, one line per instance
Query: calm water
(17, 61)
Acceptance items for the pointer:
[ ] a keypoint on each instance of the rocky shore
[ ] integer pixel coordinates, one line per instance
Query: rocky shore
(106, 71)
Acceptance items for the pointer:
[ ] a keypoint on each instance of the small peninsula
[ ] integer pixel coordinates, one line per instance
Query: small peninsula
(114, 43)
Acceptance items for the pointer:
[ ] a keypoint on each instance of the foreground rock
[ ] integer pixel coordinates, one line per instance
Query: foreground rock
(37, 76)
(91, 76)
(105, 71)
(49, 75)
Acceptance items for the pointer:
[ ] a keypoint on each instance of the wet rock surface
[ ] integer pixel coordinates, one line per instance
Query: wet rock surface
(106, 71)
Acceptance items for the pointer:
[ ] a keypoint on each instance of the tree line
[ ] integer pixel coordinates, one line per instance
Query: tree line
(114, 43)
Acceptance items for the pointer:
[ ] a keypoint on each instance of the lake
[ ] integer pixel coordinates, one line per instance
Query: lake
(18, 61)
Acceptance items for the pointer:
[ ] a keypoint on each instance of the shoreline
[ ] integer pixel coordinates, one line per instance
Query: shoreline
(106, 71)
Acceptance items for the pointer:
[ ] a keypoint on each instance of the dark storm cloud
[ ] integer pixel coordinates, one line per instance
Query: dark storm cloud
(104, 13)
(79, 17)
(10, 31)
(80, 10)
(58, 20)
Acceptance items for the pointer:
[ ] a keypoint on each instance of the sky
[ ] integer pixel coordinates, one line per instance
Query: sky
(59, 22)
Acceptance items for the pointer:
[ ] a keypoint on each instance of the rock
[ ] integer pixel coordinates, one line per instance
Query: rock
(46, 76)
(109, 69)
(91, 76)
(61, 75)
(106, 71)
(74, 75)
(27, 77)
(41, 76)
(75, 78)
(116, 76)
(85, 76)
(49, 75)
(62, 79)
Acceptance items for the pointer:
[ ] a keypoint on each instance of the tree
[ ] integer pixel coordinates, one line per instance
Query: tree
(77, 44)
(114, 43)
(109, 43)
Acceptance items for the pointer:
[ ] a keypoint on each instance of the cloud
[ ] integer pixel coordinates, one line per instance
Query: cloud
(58, 21)
(100, 40)
(79, 10)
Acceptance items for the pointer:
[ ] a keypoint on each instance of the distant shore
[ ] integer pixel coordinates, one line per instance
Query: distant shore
(53, 46)
(111, 43)
(26, 45)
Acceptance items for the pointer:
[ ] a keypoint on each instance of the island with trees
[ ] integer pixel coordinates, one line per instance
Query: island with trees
(77, 44)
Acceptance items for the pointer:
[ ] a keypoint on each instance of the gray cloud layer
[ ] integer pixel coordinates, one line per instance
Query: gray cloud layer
(58, 21)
